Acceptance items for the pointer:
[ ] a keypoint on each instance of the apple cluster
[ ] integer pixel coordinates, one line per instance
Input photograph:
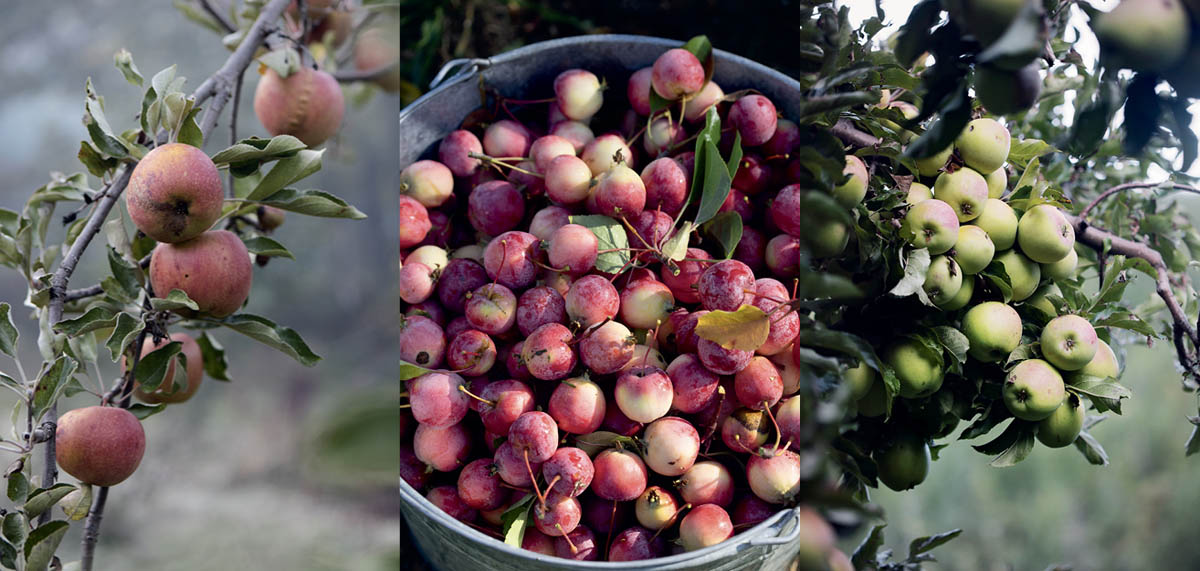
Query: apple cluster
(580, 394)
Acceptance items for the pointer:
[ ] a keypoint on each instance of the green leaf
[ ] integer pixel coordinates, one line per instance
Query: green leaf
(515, 519)
(842, 342)
(127, 274)
(264, 246)
(1091, 449)
(45, 498)
(267, 332)
(611, 236)
(95, 162)
(175, 300)
(814, 285)
(735, 155)
(1017, 442)
(8, 332)
(144, 411)
(702, 49)
(152, 367)
(596, 442)
(313, 203)
(96, 318)
(285, 172)
(1143, 107)
(864, 554)
(248, 154)
(955, 115)
(953, 341)
(914, 273)
(124, 332)
(675, 248)
(214, 357)
(1093, 118)
(8, 555)
(124, 62)
(1103, 387)
(1021, 43)
(283, 61)
(1021, 151)
(15, 527)
(51, 384)
(925, 544)
(78, 503)
(42, 543)
(411, 371)
(998, 277)
(189, 131)
(914, 38)
(1129, 321)
(726, 229)
(97, 126)
(716, 183)
(18, 487)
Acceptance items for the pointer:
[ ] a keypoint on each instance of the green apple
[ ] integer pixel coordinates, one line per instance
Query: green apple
(904, 464)
(919, 371)
(1063, 269)
(1033, 390)
(964, 190)
(860, 379)
(930, 166)
(993, 330)
(918, 192)
(874, 403)
(825, 237)
(984, 19)
(963, 297)
(983, 144)
(1103, 365)
(1063, 425)
(1069, 342)
(1039, 302)
(1024, 273)
(931, 224)
(997, 182)
(852, 192)
(943, 279)
(1143, 35)
(907, 109)
(1004, 92)
(1045, 234)
(1000, 222)
(974, 250)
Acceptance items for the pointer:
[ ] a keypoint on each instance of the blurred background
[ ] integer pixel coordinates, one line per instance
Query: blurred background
(1053, 510)
(287, 467)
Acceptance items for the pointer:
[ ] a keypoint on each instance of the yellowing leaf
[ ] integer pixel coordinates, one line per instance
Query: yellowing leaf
(745, 329)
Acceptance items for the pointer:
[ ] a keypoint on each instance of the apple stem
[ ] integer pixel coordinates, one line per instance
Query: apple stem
(474, 396)
(778, 434)
(533, 480)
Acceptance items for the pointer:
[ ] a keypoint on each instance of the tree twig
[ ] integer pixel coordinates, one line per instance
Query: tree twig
(1131, 186)
(217, 15)
(845, 130)
(349, 76)
(91, 529)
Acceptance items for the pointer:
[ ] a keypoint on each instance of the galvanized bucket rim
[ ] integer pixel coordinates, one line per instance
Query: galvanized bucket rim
(764, 533)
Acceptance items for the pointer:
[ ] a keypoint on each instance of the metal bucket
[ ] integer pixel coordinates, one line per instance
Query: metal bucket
(447, 543)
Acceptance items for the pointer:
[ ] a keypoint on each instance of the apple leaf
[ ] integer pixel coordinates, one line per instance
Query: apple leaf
(176, 299)
(842, 342)
(953, 341)
(726, 229)
(312, 203)
(675, 248)
(95, 318)
(1102, 387)
(998, 277)
(144, 411)
(865, 554)
(124, 62)
(929, 543)
(76, 504)
(1022, 151)
(914, 38)
(735, 155)
(716, 181)
(264, 246)
(1022, 41)
(285, 172)
(43, 499)
(152, 368)
(915, 269)
(995, 415)
(701, 47)
(98, 129)
(610, 238)
(1091, 449)
(411, 371)
(1020, 448)
(15, 527)
(18, 487)
(1022, 353)
(267, 332)
(214, 357)
(50, 385)
(255, 151)
(42, 543)
(515, 519)
(592, 444)
(745, 329)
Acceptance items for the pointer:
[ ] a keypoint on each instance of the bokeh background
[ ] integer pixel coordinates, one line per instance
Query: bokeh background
(1053, 510)
(288, 467)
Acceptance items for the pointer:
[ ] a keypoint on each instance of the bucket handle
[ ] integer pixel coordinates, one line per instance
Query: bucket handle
(781, 539)
(464, 66)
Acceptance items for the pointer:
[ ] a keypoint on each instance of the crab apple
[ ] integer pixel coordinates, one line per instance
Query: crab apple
(577, 405)
(666, 184)
(577, 133)
(754, 118)
(568, 180)
(434, 257)
(993, 330)
(758, 385)
(213, 269)
(534, 432)
(656, 508)
(983, 144)
(412, 469)
(1033, 390)
(638, 91)
(1025, 274)
(568, 472)
(604, 516)
(788, 415)
(539, 306)
(696, 107)
(99, 445)
(422, 342)
(931, 224)
(495, 517)
(525, 178)
(547, 220)
(694, 385)
(852, 192)
(745, 430)
(1039, 302)
(637, 544)
(538, 542)
(752, 249)
(685, 274)
(573, 249)
(492, 309)
(547, 352)
(721, 360)
(661, 135)
(457, 325)
(455, 149)
(1045, 235)
(997, 182)
(684, 337)
(471, 353)
(644, 356)
(443, 449)
(644, 394)
(446, 498)
(547, 148)
(616, 422)
(620, 193)
(646, 303)
(592, 299)
(774, 476)
(514, 363)
(1063, 269)
(782, 255)
(785, 323)
(1063, 426)
(620, 475)
(558, 515)
(507, 400)
(786, 210)
(579, 544)
(511, 466)
(999, 220)
(677, 73)
(460, 277)
(193, 371)
(308, 105)
(917, 192)
(1103, 365)
(429, 308)
(964, 190)
(510, 259)
(578, 93)
(437, 399)
(416, 283)
(707, 482)
(506, 138)
(704, 525)
(649, 229)
(479, 486)
(603, 152)
(737, 202)
(943, 280)
(785, 140)
(607, 348)
(175, 194)
(974, 250)
(753, 175)
(750, 511)
(930, 166)
(672, 444)
(1069, 342)
(414, 221)
(904, 464)
(726, 285)
(919, 372)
